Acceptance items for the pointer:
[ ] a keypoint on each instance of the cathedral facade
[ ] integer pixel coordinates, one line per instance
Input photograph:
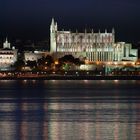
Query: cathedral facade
(92, 46)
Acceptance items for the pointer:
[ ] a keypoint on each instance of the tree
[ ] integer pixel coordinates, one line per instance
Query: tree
(70, 59)
(67, 59)
(49, 60)
(32, 64)
(41, 61)
(19, 64)
(78, 62)
(45, 61)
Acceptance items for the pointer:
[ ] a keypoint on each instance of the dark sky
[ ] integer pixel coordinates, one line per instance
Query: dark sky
(31, 19)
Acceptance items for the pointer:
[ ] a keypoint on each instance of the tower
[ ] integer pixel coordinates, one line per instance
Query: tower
(6, 44)
(113, 35)
(53, 33)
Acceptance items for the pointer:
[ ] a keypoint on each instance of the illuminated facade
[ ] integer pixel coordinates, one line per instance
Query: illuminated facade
(34, 56)
(92, 46)
(8, 56)
(6, 44)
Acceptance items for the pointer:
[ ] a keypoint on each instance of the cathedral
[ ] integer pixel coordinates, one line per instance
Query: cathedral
(92, 46)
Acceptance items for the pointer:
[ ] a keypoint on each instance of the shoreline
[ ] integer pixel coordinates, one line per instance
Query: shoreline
(73, 78)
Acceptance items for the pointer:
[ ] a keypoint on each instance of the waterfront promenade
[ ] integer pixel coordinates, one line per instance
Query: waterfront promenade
(76, 75)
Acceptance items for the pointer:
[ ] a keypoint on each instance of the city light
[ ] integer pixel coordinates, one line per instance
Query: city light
(113, 58)
(56, 62)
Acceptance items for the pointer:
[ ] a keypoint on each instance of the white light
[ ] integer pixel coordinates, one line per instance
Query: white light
(124, 63)
(109, 63)
(116, 81)
(25, 81)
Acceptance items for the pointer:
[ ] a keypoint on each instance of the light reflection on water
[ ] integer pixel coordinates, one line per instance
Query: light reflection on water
(69, 110)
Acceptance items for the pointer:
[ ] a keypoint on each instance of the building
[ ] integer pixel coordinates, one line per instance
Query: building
(6, 44)
(34, 56)
(92, 46)
(8, 56)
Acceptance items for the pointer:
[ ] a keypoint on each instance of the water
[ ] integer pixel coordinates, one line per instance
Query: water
(70, 110)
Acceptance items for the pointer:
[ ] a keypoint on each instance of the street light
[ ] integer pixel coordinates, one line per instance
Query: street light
(56, 62)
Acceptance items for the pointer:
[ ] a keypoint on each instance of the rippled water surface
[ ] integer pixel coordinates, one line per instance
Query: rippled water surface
(70, 110)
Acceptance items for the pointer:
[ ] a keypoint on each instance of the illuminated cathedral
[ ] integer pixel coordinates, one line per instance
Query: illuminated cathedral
(92, 46)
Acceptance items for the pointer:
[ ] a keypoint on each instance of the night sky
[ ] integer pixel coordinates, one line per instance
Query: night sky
(31, 19)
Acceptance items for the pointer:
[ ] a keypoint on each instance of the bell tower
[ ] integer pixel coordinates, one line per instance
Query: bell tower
(53, 34)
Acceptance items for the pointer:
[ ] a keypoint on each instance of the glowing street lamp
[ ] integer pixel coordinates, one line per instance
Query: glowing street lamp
(56, 62)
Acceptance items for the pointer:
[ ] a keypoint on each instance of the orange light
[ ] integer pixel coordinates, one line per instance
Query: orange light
(97, 62)
(86, 61)
(124, 63)
(56, 62)
(109, 63)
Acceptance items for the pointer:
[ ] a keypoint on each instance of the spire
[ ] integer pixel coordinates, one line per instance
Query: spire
(113, 34)
(53, 26)
(56, 26)
(6, 40)
(113, 31)
(6, 44)
(55, 23)
(85, 30)
(52, 21)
